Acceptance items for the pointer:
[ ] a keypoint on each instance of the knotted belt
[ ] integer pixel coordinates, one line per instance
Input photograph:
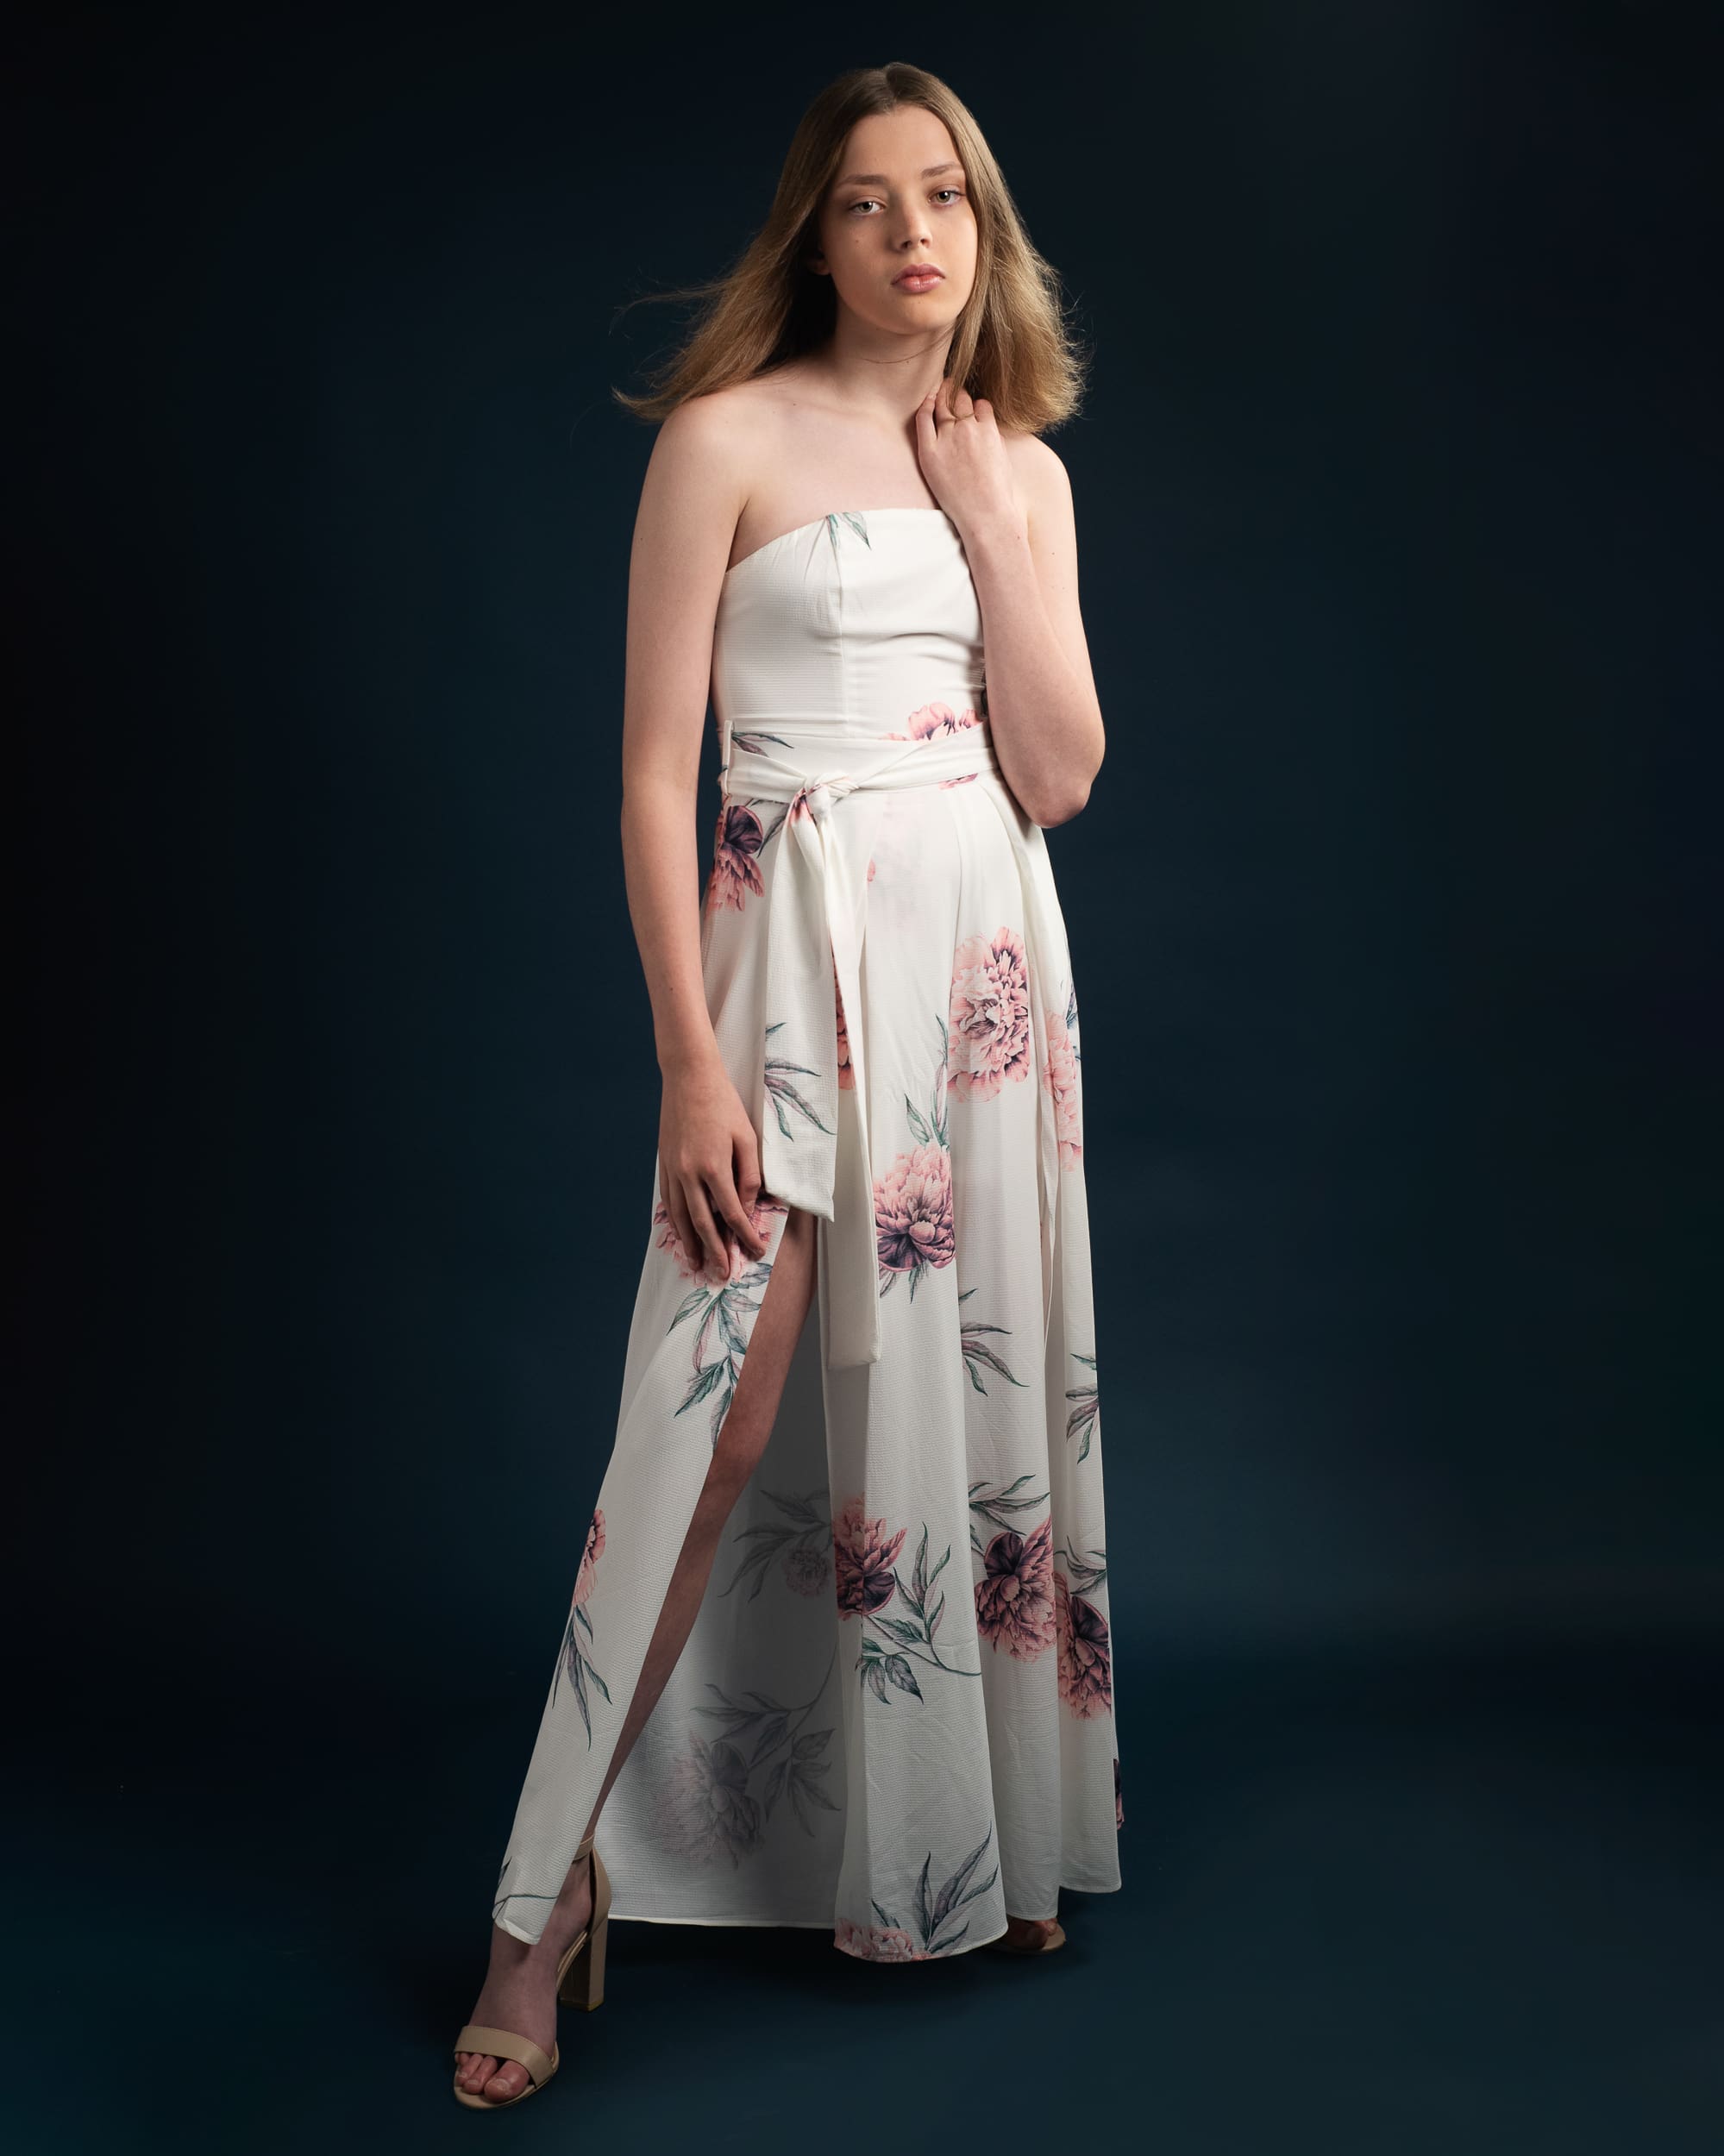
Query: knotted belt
(816, 923)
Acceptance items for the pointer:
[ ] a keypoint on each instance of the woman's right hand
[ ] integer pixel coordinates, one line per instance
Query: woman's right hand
(709, 1165)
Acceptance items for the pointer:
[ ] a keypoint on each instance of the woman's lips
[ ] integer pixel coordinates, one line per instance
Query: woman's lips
(918, 280)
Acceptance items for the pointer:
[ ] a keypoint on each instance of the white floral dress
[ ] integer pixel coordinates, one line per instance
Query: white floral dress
(894, 1718)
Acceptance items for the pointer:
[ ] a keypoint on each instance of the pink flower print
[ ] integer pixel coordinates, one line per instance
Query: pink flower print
(847, 1077)
(694, 1268)
(735, 848)
(595, 1545)
(869, 1942)
(914, 1224)
(1118, 1799)
(804, 1568)
(934, 719)
(668, 1239)
(1014, 1598)
(990, 1014)
(1085, 1658)
(1059, 1081)
(870, 868)
(864, 1555)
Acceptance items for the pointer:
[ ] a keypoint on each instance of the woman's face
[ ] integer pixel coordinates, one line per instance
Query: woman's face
(901, 201)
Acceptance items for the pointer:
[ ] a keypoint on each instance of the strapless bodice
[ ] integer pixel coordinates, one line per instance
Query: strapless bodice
(830, 622)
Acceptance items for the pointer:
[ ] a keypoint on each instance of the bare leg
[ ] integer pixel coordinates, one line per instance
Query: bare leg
(519, 1992)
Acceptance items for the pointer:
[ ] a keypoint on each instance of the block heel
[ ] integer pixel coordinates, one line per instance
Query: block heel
(580, 1981)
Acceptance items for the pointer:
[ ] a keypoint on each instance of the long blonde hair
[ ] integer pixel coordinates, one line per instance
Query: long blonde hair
(1011, 344)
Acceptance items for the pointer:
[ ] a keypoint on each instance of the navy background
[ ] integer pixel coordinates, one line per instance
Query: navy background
(336, 1103)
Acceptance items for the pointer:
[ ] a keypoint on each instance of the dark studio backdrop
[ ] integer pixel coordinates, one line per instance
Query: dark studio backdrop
(335, 1099)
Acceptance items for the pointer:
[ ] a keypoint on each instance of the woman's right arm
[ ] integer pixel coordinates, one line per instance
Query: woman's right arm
(691, 500)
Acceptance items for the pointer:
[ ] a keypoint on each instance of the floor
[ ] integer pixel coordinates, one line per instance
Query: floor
(1431, 1904)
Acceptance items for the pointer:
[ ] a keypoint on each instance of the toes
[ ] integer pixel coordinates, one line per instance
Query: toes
(475, 2071)
(509, 2080)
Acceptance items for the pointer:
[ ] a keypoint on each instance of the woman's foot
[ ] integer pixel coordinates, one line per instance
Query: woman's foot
(1030, 1935)
(519, 1993)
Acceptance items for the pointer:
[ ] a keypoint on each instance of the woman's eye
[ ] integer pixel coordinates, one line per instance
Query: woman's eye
(867, 199)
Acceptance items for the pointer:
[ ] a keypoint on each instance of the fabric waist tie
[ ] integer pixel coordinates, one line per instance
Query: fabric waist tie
(815, 926)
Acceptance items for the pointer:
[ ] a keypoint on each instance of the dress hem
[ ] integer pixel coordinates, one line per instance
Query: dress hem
(822, 1923)
(806, 1923)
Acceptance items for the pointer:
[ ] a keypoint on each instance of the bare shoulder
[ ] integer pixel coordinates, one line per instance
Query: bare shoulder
(708, 439)
(698, 480)
(1044, 484)
(711, 453)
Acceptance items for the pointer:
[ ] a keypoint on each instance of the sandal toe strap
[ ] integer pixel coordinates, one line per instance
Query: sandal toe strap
(503, 2043)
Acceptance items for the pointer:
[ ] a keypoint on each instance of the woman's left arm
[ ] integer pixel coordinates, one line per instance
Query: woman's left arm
(1013, 511)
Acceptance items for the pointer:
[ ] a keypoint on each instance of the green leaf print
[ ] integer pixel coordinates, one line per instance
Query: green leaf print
(935, 1910)
(973, 1351)
(1002, 1508)
(800, 1545)
(913, 1634)
(573, 1658)
(1085, 1572)
(853, 517)
(1082, 1417)
(935, 1127)
(781, 1743)
(721, 1309)
(779, 1090)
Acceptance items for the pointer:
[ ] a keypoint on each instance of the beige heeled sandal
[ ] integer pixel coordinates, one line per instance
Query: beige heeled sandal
(580, 1981)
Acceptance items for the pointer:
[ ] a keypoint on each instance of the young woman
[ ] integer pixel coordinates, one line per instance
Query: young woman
(862, 1357)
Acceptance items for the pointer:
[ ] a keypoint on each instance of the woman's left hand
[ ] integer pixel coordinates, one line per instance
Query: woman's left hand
(964, 460)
